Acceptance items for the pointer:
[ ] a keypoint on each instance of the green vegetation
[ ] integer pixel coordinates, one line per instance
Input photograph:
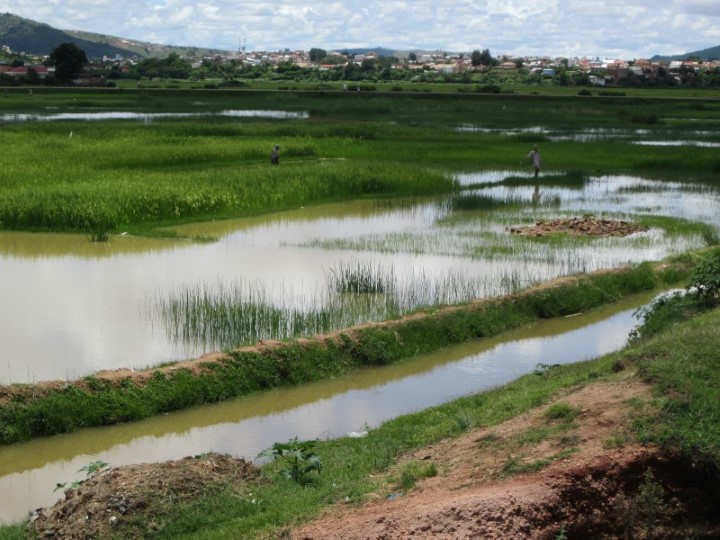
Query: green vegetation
(124, 175)
(298, 458)
(678, 361)
(115, 176)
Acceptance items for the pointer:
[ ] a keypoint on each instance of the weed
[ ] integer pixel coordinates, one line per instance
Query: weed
(413, 471)
(299, 459)
(705, 278)
(639, 513)
(615, 441)
(562, 411)
(90, 470)
(516, 465)
(464, 420)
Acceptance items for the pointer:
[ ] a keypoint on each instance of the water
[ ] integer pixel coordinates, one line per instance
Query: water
(245, 426)
(71, 307)
(148, 117)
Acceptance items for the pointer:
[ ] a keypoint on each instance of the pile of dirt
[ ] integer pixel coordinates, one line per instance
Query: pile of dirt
(116, 497)
(580, 226)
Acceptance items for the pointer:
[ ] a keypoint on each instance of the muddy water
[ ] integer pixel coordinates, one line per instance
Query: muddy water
(246, 426)
(71, 307)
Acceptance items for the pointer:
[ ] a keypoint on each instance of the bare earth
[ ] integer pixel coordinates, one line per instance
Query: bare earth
(579, 494)
(580, 226)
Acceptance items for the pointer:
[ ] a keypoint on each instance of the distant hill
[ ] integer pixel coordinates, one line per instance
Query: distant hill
(30, 37)
(144, 48)
(35, 38)
(712, 53)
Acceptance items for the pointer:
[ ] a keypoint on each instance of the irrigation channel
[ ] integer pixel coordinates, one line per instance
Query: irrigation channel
(71, 307)
(345, 406)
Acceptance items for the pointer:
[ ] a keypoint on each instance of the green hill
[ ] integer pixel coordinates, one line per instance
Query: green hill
(34, 38)
(711, 53)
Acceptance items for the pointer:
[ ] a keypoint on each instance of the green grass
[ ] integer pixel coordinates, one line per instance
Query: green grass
(126, 175)
(351, 463)
(111, 176)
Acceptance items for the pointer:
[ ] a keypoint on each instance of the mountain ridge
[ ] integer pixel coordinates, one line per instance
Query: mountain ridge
(39, 39)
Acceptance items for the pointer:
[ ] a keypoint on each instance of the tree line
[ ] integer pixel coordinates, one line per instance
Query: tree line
(70, 62)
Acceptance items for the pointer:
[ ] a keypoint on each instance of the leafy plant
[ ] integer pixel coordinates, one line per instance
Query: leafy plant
(90, 470)
(299, 458)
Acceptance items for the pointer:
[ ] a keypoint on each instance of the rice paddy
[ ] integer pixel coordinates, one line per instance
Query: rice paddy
(462, 250)
(382, 205)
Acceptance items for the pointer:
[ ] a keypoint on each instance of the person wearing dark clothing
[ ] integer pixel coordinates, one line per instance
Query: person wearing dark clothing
(275, 155)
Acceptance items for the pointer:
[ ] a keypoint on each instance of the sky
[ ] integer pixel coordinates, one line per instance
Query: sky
(627, 29)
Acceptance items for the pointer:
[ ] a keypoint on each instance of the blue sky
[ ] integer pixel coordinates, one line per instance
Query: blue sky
(621, 29)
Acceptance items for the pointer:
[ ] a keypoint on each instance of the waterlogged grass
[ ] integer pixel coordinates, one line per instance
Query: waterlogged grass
(230, 315)
(129, 175)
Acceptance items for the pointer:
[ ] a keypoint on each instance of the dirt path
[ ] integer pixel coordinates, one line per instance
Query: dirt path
(589, 487)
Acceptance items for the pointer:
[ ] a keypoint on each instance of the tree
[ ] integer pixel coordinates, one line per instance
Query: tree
(69, 61)
(317, 55)
(486, 58)
(476, 58)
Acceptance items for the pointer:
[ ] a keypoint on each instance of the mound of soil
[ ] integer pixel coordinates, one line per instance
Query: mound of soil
(111, 499)
(580, 226)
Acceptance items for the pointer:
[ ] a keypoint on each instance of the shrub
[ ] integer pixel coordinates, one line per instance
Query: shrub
(705, 279)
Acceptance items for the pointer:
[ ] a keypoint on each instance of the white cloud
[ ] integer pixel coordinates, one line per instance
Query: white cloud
(630, 29)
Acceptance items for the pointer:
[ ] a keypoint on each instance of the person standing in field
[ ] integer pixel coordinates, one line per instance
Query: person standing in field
(275, 155)
(536, 160)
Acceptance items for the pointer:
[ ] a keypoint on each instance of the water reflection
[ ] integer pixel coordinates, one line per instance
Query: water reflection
(601, 134)
(147, 117)
(703, 144)
(245, 426)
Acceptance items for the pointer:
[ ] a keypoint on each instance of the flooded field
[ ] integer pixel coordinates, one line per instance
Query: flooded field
(346, 405)
(72, 307)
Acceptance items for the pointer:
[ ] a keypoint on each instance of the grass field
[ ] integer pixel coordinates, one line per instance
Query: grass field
(107, 176)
